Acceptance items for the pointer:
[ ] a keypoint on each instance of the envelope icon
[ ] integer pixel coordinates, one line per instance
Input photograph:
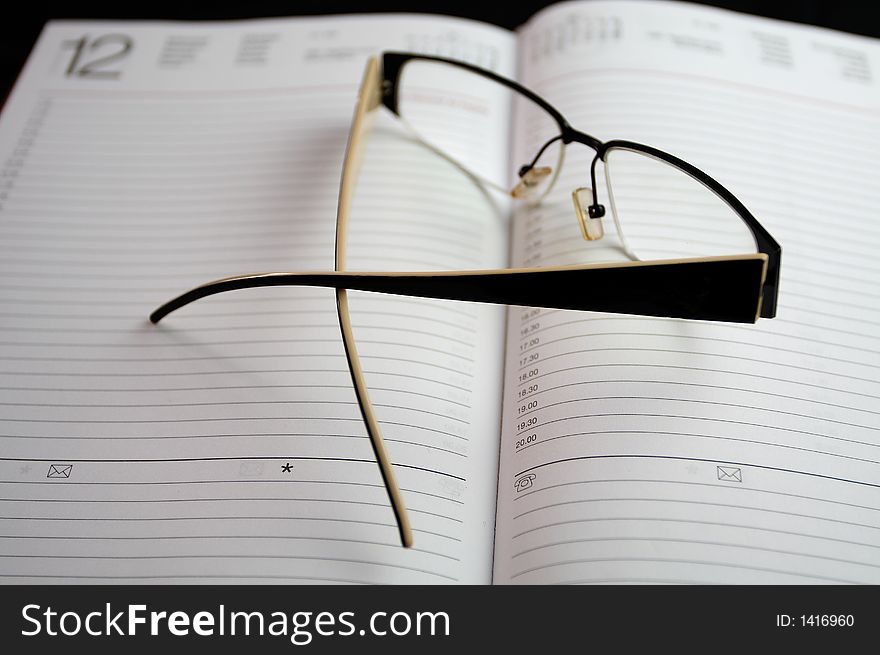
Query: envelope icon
(730, 474)
(59, 470)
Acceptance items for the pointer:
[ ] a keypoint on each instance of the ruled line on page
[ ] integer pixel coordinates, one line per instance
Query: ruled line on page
(694, 522)
(262, 481)
(709, 563)
(685, 484)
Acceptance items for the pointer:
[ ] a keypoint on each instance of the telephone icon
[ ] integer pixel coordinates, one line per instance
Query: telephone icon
(524, 482)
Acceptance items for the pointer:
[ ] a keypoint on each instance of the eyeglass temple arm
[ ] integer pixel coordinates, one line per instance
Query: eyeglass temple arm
(357, 375)
(716, 288)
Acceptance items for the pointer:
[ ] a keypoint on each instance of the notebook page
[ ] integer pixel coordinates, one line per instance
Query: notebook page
(226, 444)
(674, 451)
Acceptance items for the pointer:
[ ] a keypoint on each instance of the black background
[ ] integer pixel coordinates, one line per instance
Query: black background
(533, 621)
(23, 19)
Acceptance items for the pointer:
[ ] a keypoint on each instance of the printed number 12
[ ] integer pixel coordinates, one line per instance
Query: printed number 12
(114, 47)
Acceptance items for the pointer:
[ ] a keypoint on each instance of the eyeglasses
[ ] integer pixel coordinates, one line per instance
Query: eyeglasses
(666, 215)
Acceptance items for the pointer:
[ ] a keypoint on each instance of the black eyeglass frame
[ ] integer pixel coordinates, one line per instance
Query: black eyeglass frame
(392, 68)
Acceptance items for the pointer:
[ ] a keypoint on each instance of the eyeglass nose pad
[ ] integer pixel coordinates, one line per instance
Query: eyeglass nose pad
(589, 215)
(529, 180)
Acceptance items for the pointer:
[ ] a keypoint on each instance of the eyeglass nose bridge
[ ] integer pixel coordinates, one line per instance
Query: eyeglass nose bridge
(589, 215)
(588, 209)
(530, 177)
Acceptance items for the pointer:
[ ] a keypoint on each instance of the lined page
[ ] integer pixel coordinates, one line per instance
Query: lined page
(643, 450)
(225, 444)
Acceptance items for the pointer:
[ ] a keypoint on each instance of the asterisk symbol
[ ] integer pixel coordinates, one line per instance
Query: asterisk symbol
(286, 468)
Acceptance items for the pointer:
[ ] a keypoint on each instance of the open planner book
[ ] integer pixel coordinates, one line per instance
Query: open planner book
(532, 446)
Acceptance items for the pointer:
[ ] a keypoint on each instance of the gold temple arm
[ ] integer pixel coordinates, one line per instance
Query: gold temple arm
(366, 407)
